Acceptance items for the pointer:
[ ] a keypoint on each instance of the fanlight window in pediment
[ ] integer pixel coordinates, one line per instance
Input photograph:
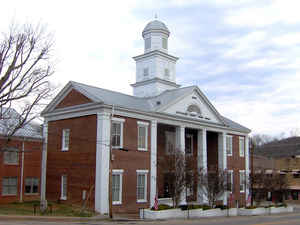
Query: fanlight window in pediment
(194, 110)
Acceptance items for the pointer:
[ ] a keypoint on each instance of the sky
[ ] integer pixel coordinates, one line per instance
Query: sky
(243, 54)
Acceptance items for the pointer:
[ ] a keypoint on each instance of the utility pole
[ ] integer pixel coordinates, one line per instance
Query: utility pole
(252, 170)
(110, 167)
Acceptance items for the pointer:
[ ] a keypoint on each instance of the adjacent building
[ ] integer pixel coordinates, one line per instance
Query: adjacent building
(20, 160)
(89, 130)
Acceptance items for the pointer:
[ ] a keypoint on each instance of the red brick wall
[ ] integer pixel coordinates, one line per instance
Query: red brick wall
(236, 163)
(32, 166)
(78, 163)
(130, 161)
(73, 98)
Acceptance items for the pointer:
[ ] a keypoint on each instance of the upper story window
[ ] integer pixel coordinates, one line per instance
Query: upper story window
(142, 136)
(147, 43)
(170, 142)
(189, 144)
(11, 156)
(229, 145)
(65, 139)
(165, 43)
(117, 132)
(167, 73)
(242, 146)
(146, 72)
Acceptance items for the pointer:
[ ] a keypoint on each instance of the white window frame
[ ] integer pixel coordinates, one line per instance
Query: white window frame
(121, 122)
(120, 173)
(192, 150)
(6, 155)
(164, 43)
(170, 135)
(63, 177)
(230, 173)
(148, 43)
(63, 147)
(230, 139)
(9, 194)
(242, 146)
(146, 72)
(144, 125)
(141, 172)
(242, 175)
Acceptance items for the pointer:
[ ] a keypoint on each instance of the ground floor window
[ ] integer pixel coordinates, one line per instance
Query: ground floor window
(142, 185)
(117, 186)
(31, 185)
(9, 185)
(295, 195)
(64, 187)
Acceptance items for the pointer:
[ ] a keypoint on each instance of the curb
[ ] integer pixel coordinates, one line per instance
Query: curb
(51, 218)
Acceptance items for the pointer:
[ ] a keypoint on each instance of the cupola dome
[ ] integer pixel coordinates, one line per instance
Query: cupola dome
(156, 26)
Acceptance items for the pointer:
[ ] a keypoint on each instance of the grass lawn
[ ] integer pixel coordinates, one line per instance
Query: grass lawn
(27, 208)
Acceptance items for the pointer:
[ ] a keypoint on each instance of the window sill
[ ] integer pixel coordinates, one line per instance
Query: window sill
(11, 164)
(143, 149)
(141, 201)
(28, 194)
(242, 191)
(116, 147)
(9, 195)
(229, 155)
(64, 149)
(117, 203)
(63, 198)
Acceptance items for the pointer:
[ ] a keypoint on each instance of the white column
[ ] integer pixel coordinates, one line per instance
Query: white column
(202, 161)
(153, 177)
(222, 157)
(102, 163)
(247, 169)
(44, 165)
(180, 144)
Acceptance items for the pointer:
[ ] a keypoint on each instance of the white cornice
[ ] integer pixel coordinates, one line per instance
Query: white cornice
(156, 53)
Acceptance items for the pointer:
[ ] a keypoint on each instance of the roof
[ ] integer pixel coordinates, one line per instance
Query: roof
(148, 104)
(10, 121)
(287, 147)
(154, 26)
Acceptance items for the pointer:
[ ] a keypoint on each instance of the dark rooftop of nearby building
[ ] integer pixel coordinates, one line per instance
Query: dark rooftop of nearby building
(287, 147)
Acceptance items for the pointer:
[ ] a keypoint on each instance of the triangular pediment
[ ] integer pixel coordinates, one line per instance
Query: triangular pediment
(192, 104)
(70, 95)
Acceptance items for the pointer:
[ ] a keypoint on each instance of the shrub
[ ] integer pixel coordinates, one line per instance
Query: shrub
(162, 207)
(251, 207)
(206, 207)
(222, 207)
(281, 205)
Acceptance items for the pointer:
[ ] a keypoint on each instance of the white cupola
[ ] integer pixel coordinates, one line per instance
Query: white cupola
(155, 69)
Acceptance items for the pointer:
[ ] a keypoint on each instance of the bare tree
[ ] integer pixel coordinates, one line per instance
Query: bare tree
(173, 165)
(25, 68)
(213, 184)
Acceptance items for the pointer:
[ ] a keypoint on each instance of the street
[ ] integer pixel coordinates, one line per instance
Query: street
(290, 219)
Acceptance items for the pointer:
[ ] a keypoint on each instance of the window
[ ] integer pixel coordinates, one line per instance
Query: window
(147, 43)
(165, 43)
(117, 132)
(230, 180)
(117, 187)
(142, 135)
(167, 73)
(242, 146)
(170, 142)
(11, 156)
(65, 139)
(31, 185)
(242, 181)
(229, 145)
(194, 110)
(189, 144)
(9, 186)
(146, 72)
(63, 187)
(141, 185)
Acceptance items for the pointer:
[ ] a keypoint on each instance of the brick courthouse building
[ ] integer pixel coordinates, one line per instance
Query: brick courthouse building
(82, 119)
